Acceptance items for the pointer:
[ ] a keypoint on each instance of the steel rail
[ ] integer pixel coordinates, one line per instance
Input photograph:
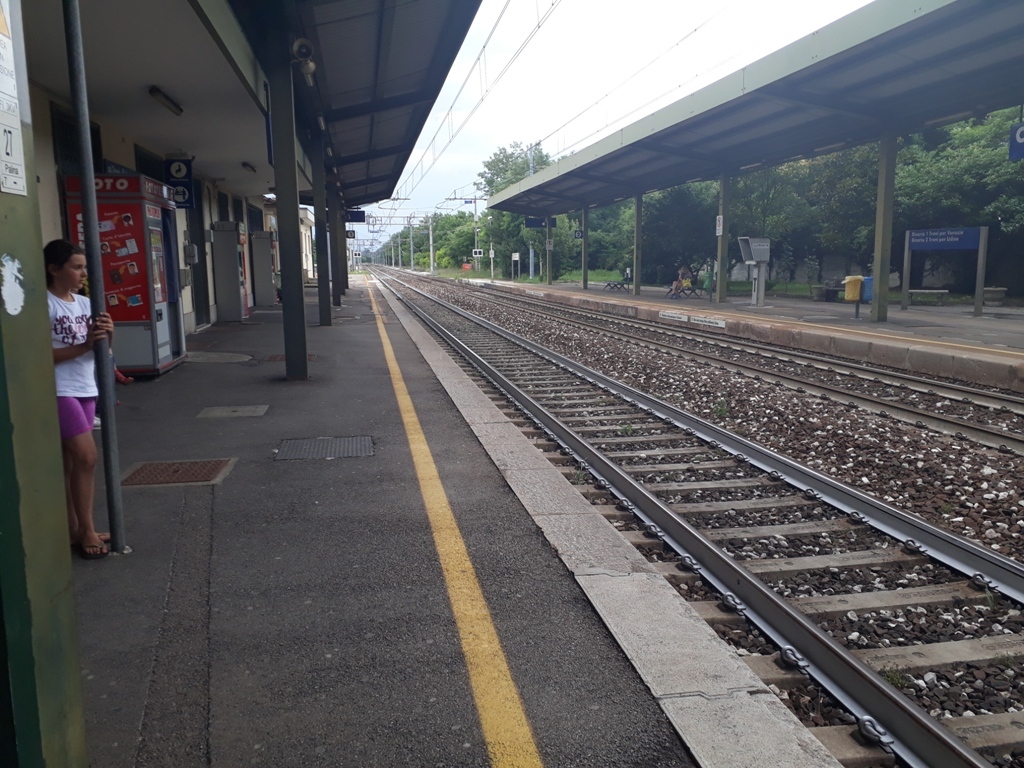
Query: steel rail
(952, 391)
(884, 714)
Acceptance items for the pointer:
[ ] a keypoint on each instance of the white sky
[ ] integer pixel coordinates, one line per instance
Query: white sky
(581, 60)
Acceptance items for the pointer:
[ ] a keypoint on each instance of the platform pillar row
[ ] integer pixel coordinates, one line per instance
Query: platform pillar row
(585, 243)
(638, 236)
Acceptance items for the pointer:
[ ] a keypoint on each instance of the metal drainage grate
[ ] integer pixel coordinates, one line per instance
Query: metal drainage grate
(177, 472)
(280, 358)
(326, 448)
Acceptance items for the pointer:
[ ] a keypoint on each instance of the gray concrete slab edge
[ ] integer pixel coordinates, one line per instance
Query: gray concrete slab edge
(721, 710)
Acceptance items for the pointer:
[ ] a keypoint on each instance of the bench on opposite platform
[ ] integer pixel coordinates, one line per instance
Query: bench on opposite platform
(938, 294)
(616, 285)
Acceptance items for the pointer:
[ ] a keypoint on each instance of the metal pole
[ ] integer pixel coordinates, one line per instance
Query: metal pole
(334, 213)
(431, 224)
(883, 225)
(586, 236)
(90, 221)
(282, 120)
(531, 246)
(492, 260)
(412, 247)
(979, 288)
(323, 264)
(905, 293)
(547, 246)
(638, 235)
(722, 261)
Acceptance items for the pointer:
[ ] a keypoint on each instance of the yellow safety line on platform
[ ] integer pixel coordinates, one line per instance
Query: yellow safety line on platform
(503, 720)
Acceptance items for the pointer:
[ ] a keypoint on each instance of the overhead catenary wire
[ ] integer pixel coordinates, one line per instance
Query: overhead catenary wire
(404, 189)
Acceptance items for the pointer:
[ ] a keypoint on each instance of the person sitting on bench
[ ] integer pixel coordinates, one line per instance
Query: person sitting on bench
(677, 286)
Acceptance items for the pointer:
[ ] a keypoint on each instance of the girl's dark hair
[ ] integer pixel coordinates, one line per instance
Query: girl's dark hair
(57, 253)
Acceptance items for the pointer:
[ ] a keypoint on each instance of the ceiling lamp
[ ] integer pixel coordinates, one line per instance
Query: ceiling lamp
(165, 100)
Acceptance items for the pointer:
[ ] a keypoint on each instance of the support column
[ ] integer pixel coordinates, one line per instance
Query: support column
(547, 247)
(638, 234)
(883, 227)
(979, 287)
(323, 269)
(41, 701)
(338, 251)
(722, 258)
(586, 242)
(905, 290)
(282, 119)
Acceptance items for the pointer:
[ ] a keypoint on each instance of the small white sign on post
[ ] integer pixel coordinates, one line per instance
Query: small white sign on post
(718, 226)
(515, 257)
(550, 244)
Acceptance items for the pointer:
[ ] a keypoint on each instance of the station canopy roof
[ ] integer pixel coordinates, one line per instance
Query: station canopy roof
(890, 66)
(380, 65)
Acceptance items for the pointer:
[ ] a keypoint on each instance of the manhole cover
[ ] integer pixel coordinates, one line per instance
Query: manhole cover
(326, 448)
(280, 358)
(177, 472)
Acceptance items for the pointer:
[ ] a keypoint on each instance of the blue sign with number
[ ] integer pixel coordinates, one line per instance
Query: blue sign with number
(178, 176)
(962, 239)
(1017, 141)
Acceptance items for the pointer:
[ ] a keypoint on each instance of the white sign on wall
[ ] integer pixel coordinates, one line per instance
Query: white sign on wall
(12, 155)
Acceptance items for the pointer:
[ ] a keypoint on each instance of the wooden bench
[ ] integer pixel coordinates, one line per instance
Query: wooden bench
(616, 285)
(939, 294)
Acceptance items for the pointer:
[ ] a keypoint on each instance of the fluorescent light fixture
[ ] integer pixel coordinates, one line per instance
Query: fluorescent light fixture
(321, 123)
(165, 100)
(949, 118)
(752, 165)
(831, 147)
(330, 152)
(249, 167)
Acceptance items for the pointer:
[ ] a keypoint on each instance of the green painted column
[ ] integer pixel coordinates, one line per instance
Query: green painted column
(883, 227)
(323, 264)
(722, 259)
(586, 242)
(41, 712)
(286, 188)
(638, 236)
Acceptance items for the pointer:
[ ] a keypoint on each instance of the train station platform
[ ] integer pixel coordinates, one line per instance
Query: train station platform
(316, 604)
(936, 340)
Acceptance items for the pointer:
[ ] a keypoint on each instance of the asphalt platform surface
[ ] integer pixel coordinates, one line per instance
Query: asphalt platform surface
(295, 613)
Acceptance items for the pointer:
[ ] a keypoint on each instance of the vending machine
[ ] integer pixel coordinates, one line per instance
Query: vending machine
(132, 210)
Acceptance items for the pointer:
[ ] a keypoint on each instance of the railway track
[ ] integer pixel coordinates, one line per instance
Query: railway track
(994, 419)
(863, 617)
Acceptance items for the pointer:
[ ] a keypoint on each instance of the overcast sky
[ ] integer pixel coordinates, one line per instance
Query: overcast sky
(591, 67)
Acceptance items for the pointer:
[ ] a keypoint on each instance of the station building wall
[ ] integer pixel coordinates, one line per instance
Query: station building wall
(120, 148)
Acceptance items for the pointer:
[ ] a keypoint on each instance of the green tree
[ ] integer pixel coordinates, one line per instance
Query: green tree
(509, 165)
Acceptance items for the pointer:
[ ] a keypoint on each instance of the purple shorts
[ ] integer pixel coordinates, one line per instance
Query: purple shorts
(76, 415)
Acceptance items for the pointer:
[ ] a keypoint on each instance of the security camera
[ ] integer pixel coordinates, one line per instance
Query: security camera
(302, 49)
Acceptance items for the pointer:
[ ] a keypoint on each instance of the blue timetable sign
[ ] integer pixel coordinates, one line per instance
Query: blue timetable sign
(1017, 141)
(962, 239)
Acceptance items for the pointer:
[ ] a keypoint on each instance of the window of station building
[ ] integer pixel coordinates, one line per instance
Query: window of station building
(149, 163)
(238, 208)
(223, 207)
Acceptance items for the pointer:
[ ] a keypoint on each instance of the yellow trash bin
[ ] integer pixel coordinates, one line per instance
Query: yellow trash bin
(853, 285)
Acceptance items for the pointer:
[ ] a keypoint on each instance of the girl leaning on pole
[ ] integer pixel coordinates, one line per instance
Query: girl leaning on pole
(74, 335)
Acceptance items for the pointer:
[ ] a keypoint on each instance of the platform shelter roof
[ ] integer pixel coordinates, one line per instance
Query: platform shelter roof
(889, 66)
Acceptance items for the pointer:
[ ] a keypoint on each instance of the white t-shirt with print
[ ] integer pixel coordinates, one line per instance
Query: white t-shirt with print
(69, 325)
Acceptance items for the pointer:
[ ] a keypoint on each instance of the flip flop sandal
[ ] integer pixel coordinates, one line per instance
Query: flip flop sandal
(86, 555)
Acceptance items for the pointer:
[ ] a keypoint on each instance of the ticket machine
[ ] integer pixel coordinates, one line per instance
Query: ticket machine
(228, 239)
(135, 257)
